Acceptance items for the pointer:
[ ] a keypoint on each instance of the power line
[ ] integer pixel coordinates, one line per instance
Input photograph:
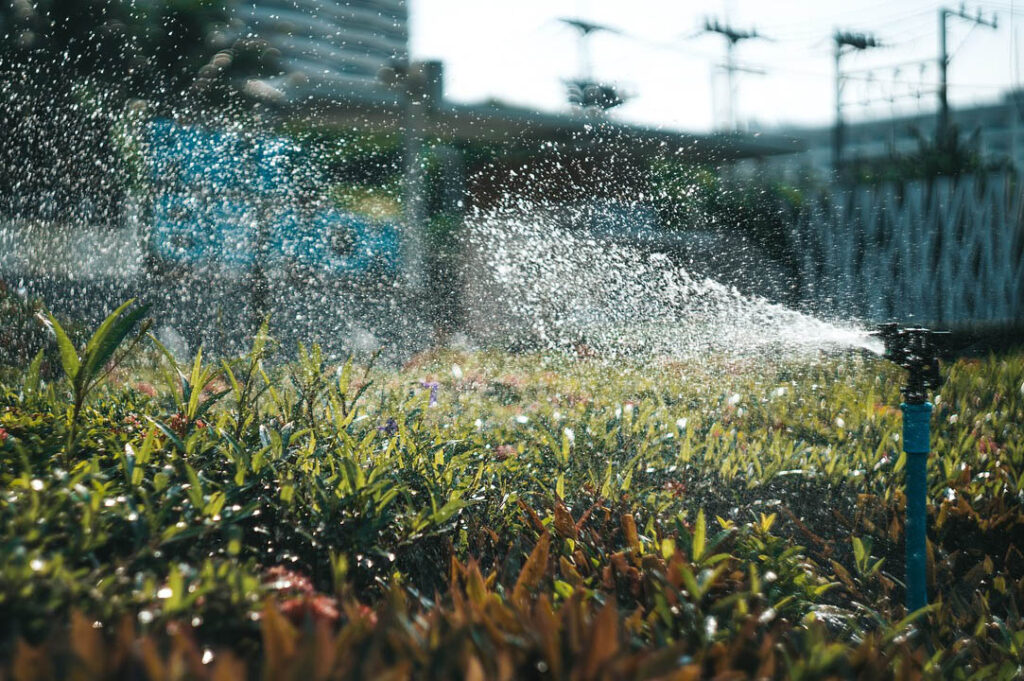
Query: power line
(732, 37)
(894, 66)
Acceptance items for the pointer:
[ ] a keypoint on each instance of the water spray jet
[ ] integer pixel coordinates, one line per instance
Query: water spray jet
(917, 350)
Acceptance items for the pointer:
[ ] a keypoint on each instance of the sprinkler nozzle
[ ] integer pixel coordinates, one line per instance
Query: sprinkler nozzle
(917, 350)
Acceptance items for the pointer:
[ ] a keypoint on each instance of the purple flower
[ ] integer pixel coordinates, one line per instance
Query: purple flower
(389, 428)
(434, 386)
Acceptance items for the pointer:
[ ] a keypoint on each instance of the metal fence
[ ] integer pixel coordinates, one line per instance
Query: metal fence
(947, 251)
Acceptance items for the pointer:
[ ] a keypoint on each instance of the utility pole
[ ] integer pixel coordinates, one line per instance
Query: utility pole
(942, 130)
(585, 91)
(845, 42)
(732, 37)
(585, 28)
(418, 87)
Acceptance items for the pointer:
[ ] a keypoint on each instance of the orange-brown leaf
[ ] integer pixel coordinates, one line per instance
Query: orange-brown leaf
(87, 648)
(533, 571)
(564, 523)
(156, 668)
(227, 667)
(476, 588)
(279, 641)
(604, 639)
(532, 515)
(31, 663)
(124, 642)
(475, 670)
(629, 530)
(569, 572)
(547, 626)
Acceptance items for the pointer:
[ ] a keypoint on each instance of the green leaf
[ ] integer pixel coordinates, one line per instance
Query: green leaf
(171, 435)
(563, 589)
(259, 341)
(699, 535)
(898, 628)
(215, 505)
(147, 446)
(235, 387)
(690, 582)
(858, 550)
(109, 336)
(196, 383)
(68, 355)
(32, 376)
(195, 490)
(345, 379)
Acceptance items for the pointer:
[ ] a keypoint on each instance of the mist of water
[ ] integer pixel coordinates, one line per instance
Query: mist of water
(542, 284)
(534, 281)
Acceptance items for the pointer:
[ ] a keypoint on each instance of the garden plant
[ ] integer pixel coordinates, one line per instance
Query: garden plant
(485, 515)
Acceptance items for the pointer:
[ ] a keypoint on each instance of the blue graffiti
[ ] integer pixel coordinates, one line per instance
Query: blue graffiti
(221, 194)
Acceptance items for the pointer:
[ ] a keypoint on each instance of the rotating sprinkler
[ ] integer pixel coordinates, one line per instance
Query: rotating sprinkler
(917, 350)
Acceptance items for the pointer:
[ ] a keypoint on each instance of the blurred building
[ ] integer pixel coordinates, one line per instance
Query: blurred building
(328, 49)
(995, 132)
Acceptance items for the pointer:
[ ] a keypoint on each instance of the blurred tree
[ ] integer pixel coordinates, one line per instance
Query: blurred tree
(80, 36)
(956, 155)
(69, 67)
(155, 50)
(696, 197)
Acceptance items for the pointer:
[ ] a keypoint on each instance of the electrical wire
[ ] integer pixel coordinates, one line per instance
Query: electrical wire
(957, 49)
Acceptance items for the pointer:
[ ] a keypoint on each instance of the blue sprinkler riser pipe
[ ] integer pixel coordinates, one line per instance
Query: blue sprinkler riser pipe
(917, 444)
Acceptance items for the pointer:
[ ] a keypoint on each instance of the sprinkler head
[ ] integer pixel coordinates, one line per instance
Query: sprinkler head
(917, 350)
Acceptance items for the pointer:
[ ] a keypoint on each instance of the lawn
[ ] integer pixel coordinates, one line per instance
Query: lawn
(485, 515)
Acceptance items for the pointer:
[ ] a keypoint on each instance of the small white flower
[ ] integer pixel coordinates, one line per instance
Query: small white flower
(681, 423)
(570, 435)
(457, 372)
(734, 399)
(840, 423)
(953, 418)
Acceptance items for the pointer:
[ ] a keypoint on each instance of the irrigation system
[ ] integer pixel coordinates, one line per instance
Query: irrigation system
(917, 350)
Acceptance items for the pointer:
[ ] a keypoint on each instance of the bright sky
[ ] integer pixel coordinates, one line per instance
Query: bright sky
(518, 52)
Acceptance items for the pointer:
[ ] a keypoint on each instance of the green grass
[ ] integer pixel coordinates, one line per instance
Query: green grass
(545, 517)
